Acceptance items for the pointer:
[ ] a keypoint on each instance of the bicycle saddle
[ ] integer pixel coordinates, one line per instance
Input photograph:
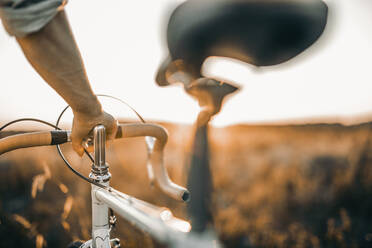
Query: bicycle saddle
(259, 32)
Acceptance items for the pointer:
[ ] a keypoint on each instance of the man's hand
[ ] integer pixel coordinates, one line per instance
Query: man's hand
(83, 125)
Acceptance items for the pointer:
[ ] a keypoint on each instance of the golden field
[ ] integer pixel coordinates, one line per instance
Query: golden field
(275, 186)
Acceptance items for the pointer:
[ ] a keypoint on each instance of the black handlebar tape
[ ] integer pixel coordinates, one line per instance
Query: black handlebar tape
(59, 137)
(44, 138)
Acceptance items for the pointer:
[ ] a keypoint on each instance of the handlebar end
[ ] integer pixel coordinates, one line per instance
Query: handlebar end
(186, 196)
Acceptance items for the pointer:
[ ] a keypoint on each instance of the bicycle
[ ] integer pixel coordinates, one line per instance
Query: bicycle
(159, 222)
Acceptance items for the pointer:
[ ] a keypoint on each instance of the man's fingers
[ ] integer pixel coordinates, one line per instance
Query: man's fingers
(77, 146)
(111, 134)
(83, 125)
(90, 149)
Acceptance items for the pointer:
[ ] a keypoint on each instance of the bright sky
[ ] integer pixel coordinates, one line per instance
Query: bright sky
(122, 44)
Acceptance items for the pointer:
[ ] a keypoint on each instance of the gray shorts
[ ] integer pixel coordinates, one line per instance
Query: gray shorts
(23, 17)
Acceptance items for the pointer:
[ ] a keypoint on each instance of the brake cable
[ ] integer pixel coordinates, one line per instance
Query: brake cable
(28, 119)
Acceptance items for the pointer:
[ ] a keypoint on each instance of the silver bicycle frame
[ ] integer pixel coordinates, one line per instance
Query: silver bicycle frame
(158, 222)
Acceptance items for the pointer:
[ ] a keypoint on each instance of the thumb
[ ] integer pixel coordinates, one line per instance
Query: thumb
(112, 131)
(76, 144)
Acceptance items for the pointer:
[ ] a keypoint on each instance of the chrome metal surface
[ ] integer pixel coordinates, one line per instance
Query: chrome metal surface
(100, 171)
(99, 145)
(105, 177)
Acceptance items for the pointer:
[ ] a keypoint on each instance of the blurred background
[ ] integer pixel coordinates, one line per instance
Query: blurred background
(290, 152)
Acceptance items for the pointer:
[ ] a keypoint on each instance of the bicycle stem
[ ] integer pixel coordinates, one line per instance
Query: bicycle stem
(99, 146)
(100, 174)
(100, 171)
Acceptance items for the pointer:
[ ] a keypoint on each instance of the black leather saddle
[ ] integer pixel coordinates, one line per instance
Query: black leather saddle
(259, 32)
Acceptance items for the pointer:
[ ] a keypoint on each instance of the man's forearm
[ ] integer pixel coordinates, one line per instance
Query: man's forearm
(54, 54)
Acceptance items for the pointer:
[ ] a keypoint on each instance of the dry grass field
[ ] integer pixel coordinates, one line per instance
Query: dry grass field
(275, 186)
